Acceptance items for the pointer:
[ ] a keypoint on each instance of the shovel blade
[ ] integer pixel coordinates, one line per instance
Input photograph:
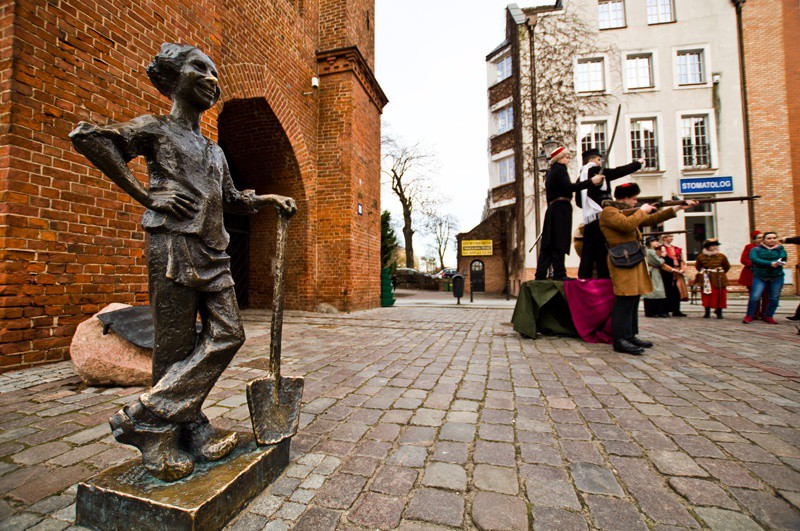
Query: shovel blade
(274, 421)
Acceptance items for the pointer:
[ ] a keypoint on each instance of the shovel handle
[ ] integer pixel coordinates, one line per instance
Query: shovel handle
(277, 301)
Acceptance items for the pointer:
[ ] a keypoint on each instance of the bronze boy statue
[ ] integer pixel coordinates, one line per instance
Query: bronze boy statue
(189, 273)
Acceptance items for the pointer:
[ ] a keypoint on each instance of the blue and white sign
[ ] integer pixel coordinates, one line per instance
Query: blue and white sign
(707, 185)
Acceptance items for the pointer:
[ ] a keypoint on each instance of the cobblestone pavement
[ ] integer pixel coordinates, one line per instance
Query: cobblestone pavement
(433, 418)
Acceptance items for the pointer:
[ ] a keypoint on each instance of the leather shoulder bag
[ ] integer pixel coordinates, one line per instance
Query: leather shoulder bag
(626, 255)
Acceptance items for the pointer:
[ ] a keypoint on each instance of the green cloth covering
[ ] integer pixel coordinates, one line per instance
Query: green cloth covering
(542, 307)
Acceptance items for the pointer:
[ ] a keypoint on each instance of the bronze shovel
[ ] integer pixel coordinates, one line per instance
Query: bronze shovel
(274, 401)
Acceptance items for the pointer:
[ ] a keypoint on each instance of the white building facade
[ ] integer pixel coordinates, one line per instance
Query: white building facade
(671, 67)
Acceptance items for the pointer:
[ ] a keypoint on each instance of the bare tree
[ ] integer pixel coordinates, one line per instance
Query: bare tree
(558, 38)
(408, 167)
(442, 227)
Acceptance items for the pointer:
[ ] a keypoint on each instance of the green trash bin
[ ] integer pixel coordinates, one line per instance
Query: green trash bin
(387, 292)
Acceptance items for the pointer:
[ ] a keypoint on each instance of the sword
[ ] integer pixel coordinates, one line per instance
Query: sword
(613, 136)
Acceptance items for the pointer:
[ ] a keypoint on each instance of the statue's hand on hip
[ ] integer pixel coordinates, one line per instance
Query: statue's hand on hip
(177, 204)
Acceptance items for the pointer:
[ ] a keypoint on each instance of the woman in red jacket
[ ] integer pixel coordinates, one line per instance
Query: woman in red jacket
(746, 276)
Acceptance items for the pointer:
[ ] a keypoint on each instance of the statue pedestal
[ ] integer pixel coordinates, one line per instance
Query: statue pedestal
(127, 497)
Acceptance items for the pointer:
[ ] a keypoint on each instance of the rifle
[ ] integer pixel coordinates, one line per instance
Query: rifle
(676, 202)
(664, 233)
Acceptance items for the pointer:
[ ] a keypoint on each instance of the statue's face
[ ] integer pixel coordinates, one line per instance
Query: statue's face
(199, 83)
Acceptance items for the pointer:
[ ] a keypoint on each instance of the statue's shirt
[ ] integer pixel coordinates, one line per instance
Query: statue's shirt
(180, 160)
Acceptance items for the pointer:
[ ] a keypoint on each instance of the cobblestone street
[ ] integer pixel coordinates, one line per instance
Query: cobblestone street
(433, 417)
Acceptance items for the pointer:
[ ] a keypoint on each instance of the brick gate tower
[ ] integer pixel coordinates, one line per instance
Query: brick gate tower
(70, 240)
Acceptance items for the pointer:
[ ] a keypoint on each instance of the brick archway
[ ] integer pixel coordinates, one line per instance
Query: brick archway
(262, 158)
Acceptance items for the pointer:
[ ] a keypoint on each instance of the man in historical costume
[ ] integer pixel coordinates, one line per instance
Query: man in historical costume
(674, 282)
(630, 283)
(712, 267)
(189, 272)
(590, 199)
(557, 230)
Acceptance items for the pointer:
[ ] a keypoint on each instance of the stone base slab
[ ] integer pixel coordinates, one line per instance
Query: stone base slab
(126, 497)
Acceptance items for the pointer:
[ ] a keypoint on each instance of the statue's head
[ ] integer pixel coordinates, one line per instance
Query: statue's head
(182, 72)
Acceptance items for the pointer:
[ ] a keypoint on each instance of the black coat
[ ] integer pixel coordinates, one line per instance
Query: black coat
(610, 174)
(795, 240)
(557, 230)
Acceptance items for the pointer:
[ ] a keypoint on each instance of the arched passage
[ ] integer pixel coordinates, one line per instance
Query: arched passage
(261, 158)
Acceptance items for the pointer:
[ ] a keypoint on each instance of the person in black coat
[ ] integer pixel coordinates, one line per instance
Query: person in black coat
(591, 199)
(557, 230)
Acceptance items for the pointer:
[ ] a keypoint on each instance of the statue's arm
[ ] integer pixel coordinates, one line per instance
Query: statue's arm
(108, 158)
(247, 202)
(110, 149)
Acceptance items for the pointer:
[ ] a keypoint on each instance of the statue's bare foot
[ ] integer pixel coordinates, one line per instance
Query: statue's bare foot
(207, 443)
(156, 439)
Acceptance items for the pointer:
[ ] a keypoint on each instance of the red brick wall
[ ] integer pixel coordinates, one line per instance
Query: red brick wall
(71, 241)
(772, 65)
(791, 49)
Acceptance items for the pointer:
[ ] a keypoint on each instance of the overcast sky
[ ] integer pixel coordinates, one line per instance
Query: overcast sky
(430, 61)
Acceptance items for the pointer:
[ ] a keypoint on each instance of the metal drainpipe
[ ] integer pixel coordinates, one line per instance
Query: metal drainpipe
(751, 207)
(531, 23)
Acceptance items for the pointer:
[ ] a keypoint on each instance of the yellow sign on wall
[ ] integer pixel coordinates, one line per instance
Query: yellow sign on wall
(476, 248)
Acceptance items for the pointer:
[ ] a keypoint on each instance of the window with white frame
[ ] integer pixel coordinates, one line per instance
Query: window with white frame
(593, 136)
(504, 68)
(639, 70)
(660, 11)
(691, 67)
(505, 169)
(695, 142)
(701, 225)
(611, 13)
(505, 119)
(644, 141)
(590, 75)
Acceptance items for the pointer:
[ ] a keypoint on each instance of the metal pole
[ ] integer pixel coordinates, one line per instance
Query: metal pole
(535, 136)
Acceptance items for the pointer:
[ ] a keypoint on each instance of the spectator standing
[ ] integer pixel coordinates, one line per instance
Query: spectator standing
(674, 281)
(712, 267)
(768, 260)
(795, 240)
(655, 302)
(746, 277)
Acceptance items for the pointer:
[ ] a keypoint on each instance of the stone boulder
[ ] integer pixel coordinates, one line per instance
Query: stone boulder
(109, 359)
(324, 307)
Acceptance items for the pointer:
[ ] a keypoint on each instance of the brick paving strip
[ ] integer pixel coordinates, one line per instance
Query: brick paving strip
(437, 418)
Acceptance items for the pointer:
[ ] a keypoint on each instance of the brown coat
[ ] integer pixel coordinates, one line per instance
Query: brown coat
(619, 228)
(718, 261)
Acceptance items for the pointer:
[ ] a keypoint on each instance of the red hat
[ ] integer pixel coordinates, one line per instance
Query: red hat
(557, 153)
(754, 234)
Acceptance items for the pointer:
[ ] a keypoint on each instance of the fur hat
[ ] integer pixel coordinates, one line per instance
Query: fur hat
(627, 190)
(557, 153)
(589, 153)
(710, 243)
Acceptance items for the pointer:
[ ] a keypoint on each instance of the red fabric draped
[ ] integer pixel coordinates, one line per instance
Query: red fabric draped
(590, 303)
